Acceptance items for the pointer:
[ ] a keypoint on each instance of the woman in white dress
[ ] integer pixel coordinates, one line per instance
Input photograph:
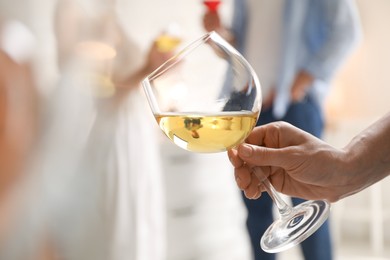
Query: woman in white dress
(127, 220)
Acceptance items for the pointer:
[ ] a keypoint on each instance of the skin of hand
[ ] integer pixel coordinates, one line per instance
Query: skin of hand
(301, 165)
(212, 21)
(300, 85)
(154, 59)
(18, 119)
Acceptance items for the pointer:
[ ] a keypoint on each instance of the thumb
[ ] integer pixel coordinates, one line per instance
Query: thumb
(262, 156)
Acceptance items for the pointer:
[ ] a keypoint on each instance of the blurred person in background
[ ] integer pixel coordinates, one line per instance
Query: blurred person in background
(19, 118)
(18, 102)
(121, 145)
(296, 47)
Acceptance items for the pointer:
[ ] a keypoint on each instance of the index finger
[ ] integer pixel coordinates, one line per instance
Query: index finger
(235, 160)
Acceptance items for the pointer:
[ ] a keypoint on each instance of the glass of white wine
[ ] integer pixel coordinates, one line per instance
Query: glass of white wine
(207, 99)
(194, 104)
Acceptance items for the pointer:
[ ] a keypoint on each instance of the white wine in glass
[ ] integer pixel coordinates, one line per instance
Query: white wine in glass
(207, 133)
(207, 99)
(195, 106)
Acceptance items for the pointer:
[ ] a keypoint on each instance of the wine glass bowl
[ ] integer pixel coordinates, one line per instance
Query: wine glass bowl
(194, 104)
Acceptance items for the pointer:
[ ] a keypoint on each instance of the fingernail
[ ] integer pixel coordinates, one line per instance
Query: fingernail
(245, 150)
(246, 195)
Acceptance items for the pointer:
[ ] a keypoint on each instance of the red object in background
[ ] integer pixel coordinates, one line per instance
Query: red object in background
(212, 5)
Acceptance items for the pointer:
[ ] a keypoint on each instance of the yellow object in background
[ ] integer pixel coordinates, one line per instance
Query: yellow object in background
(166, 43)
(170, 38)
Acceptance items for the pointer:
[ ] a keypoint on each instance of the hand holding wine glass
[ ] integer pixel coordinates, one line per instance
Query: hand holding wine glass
(212, 20)
(280, 152)
(301, 165)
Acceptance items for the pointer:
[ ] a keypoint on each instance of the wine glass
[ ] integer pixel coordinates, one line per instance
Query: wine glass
(194, 105)
(207, 99)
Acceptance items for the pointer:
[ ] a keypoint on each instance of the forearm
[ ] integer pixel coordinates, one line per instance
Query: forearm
(127, 85)
(368, 154)
(132, 81)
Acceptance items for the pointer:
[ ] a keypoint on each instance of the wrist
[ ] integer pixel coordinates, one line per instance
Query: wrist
(361, 167)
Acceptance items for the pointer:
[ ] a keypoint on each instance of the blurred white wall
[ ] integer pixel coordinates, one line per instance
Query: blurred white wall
(362, 87)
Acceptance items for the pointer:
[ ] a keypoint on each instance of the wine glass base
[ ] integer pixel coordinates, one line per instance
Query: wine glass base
(292, 229)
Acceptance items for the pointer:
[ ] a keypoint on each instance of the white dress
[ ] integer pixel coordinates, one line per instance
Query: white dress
(124, 154)
(95, 190)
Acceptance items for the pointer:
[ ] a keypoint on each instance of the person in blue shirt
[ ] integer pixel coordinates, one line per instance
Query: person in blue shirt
(296, 48)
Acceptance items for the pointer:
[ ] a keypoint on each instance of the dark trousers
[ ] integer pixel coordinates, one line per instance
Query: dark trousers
(307, 116)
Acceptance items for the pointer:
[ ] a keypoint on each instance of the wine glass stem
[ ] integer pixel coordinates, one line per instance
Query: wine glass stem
(283, 208)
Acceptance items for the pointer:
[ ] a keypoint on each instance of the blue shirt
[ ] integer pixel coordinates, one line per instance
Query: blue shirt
(317, 37)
